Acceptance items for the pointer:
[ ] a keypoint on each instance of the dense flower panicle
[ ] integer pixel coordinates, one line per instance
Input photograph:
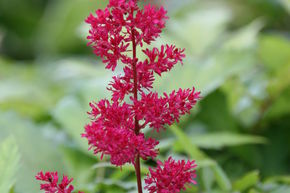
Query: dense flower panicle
(51, 184)
(120, 143)
(170, 176)
(116, 126)
(159, 111)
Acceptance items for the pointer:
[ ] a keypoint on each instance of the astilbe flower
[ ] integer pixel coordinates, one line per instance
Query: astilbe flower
(116, 124)
(170, 176)
(51, 185)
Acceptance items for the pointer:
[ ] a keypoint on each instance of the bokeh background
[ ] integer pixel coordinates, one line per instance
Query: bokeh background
(238, 56)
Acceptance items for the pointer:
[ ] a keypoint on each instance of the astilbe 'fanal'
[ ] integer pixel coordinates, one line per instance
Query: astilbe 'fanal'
(116, 127)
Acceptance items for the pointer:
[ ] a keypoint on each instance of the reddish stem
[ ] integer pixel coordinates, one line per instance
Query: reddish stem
(137, 128)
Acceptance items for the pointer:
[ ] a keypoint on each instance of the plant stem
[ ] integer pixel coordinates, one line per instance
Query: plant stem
(137, 130)
(138, 173)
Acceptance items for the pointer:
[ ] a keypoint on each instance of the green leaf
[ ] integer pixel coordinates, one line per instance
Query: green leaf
(37, 151)
(78, 165)
(9, 164)
(191, 149)
(60, 25)
(274, 51)
(16, 90)
(247, 181)
(280, 179)
(226, 59)
(244, 38)
(72, 117)
(124, 168)
(254, 191)
(286, 4)
(221, 178)
(201, 158)
(218, 118)
(121, 184)
(222, 139)
(207, 177)
(281, 189)
(200, 28)
(280, 106)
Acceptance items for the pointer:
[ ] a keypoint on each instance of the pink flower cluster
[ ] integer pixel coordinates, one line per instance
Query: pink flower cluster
(117, 124)
(170, 176)
(51, 184)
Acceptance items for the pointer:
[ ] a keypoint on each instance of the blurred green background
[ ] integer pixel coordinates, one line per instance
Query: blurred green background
(238, 56)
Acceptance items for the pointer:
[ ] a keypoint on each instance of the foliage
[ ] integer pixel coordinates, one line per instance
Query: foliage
(9, 163)
(238, 56)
